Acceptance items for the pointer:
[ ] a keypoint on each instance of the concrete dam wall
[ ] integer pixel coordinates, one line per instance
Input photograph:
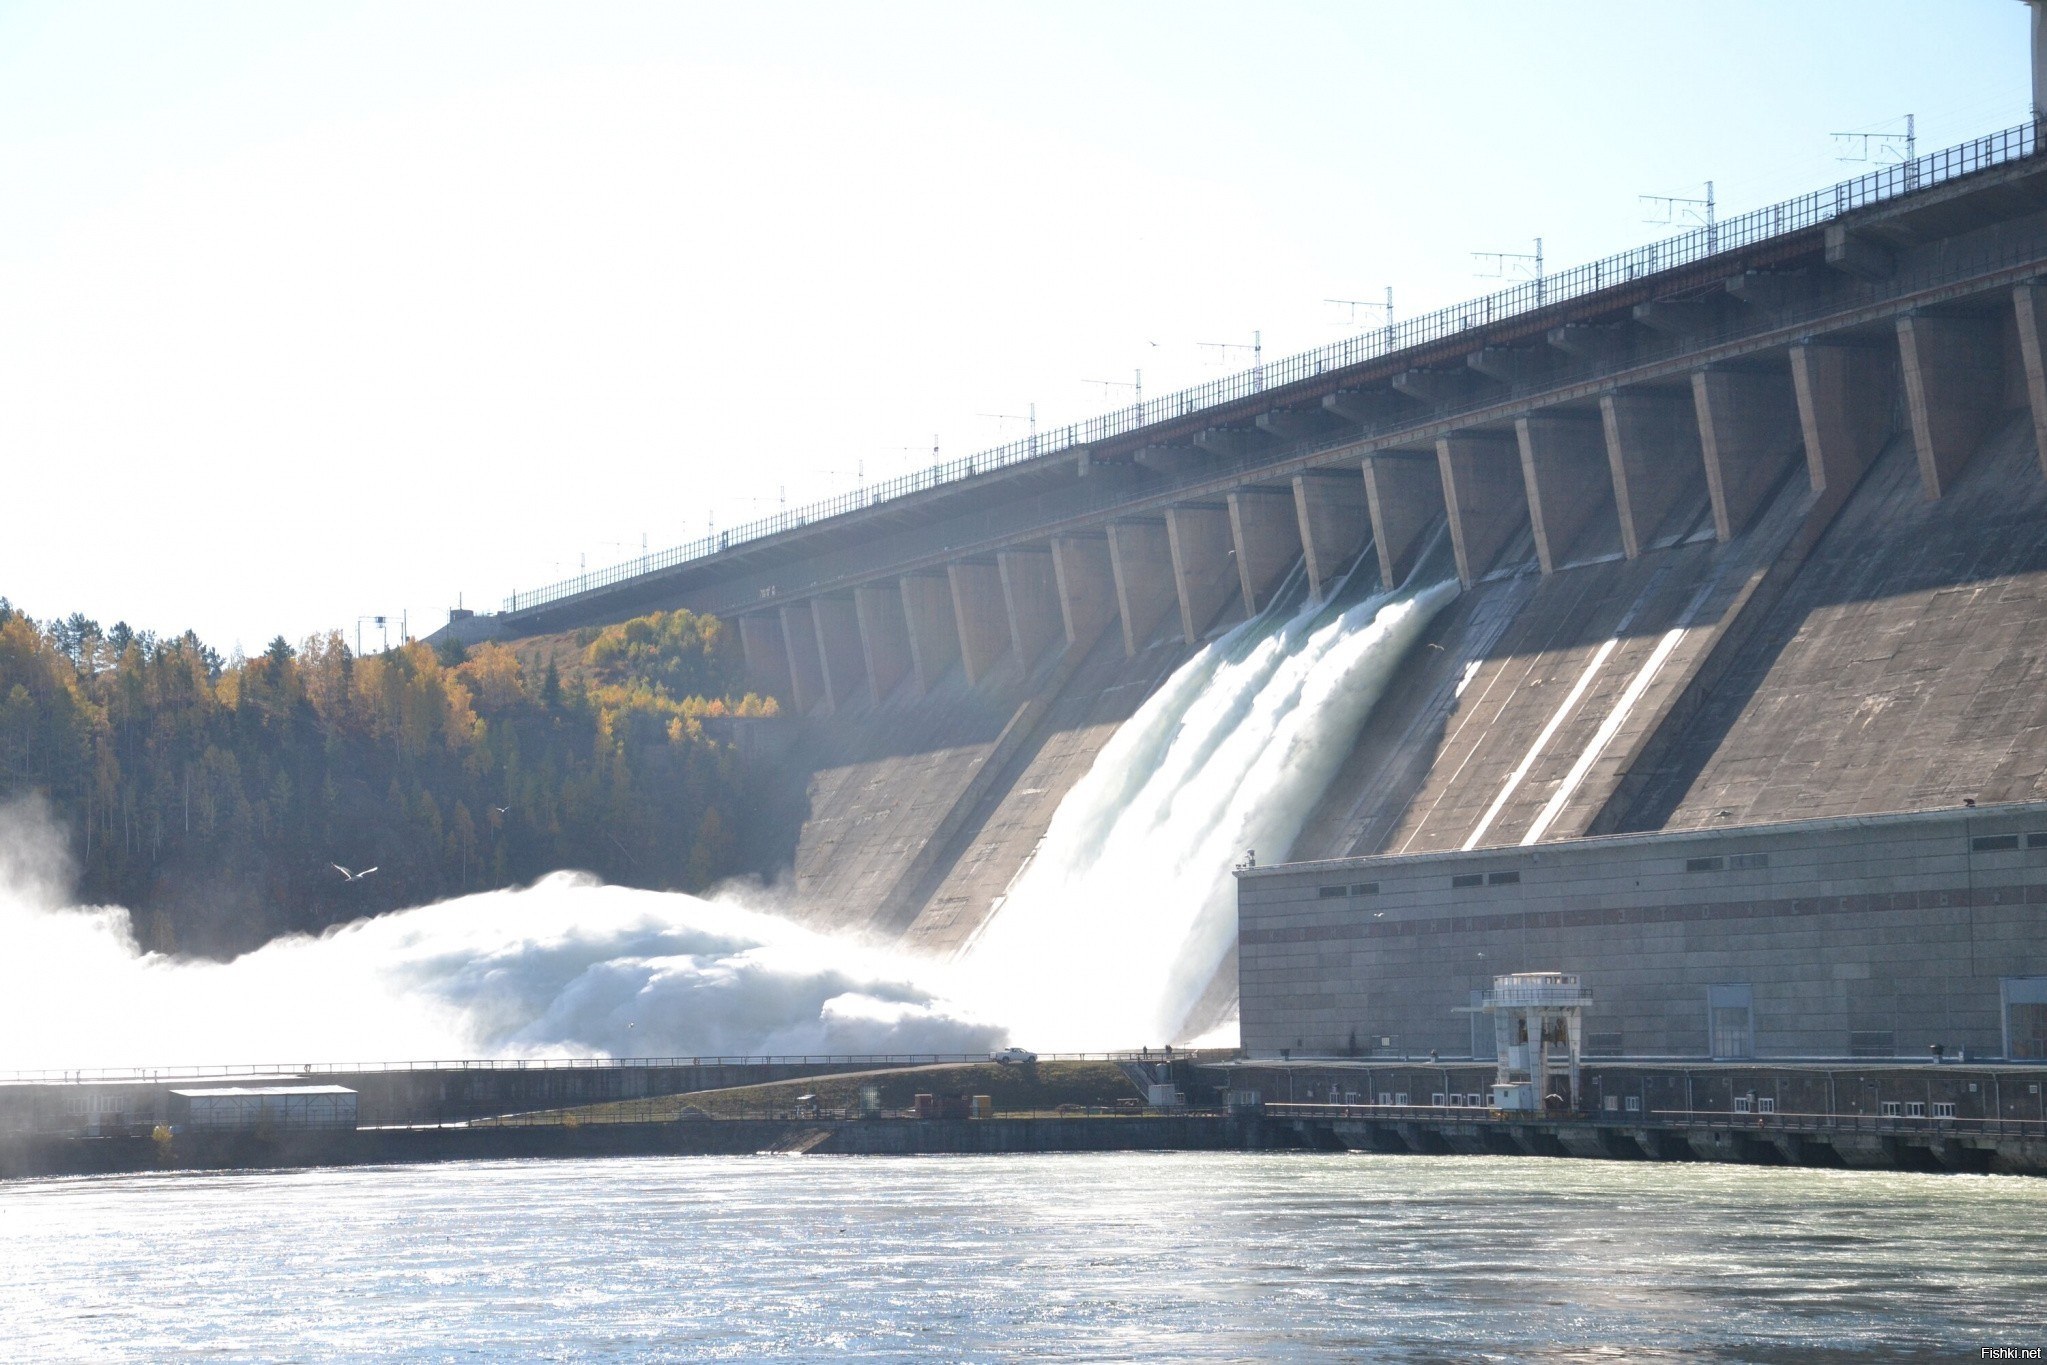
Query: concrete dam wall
(1749, 529)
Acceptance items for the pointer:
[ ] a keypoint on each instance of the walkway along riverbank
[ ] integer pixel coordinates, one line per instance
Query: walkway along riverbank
(1982, 1146)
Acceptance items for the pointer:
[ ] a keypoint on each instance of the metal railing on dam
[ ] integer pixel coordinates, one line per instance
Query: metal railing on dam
(1087, 502)
(1793, 215)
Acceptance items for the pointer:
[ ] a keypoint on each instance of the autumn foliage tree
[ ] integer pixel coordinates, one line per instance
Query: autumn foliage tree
(213, 796)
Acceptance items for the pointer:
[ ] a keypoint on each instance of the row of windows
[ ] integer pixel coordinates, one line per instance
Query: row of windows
(1995, 843)
(1737, 862)
(1616, 1103)
(1916, 1109)
(1730, 862)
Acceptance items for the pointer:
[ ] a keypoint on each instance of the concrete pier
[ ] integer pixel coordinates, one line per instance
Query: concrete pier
(1845, 393)
(1266, 534)
(1204, 568)
(1954, 388)
(884, 637)
(2029, 301)
(1748, 432)
(1087, 585)
(806, 670)
(840, 656)
(1334, 522)
(982, 614)
(1141, 559)
(1485, 496)
(767, 657)
(1652, 452)
(1030, 590)
(928, 616)
(1569, 480)
(1404, 492)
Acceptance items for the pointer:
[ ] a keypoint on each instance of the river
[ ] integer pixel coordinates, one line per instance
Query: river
(1120, 1256)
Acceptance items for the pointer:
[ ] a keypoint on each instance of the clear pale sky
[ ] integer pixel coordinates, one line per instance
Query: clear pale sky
(314, 311)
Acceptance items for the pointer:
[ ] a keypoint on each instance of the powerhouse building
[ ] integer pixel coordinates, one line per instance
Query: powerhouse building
(1873, 936)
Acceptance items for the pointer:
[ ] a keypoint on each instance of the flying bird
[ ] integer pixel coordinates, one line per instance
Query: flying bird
(501, 809)
(351, 876)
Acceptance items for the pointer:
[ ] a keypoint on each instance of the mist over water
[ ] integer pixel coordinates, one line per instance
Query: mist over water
(1107, 939)
(565, 967)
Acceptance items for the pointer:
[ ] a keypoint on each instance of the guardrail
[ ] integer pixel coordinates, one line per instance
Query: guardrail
(660, 1111)
(1887, 1124)
(989, 529)
(244, 1070)
(1792, 215)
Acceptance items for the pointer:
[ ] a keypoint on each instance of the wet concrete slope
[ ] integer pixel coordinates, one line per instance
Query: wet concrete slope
(968, 878)
(1513, 722)
(1905, 668)
(913, 815)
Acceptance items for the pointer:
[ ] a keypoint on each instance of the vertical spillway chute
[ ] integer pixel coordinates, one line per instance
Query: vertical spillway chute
(1113, 932)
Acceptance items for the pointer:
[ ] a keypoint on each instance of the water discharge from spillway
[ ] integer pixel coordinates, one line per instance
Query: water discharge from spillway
(1107, 939)
(1117, 927)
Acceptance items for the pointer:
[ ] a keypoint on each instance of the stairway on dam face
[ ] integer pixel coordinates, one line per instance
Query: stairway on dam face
(1905, 668)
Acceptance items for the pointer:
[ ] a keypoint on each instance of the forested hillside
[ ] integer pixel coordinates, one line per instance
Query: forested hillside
(213, 797)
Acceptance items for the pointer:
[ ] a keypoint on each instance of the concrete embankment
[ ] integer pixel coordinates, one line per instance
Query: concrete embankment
(31, 1156)
(1822, 1140)
(2013, 1148)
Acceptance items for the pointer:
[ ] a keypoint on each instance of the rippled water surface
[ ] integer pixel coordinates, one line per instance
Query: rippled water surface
(1118, 1256)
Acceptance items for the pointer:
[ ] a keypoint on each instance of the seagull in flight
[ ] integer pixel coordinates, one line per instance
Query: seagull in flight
(351, 876)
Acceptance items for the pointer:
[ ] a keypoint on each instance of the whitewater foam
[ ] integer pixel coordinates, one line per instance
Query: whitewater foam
(1107, 939)
(1128, 907)
(566, 967)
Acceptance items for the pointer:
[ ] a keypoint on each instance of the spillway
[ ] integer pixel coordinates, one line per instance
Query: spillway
(1121, 919)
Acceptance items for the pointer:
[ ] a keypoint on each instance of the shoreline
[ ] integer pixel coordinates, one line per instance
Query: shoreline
(1780, 1140)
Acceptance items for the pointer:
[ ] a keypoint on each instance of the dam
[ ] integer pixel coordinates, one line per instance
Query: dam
(1731, 550)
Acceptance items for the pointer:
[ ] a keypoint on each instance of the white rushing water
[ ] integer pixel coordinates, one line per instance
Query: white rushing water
(1108, 938)
(1128, 907)
(565, 967)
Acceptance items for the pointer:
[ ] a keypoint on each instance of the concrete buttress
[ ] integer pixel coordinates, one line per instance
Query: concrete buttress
(1142, 561)
(839, 654)
(1652, 452)
(934, 638)
(1204, 573)
(1030, 590)
(884, 637)
(1334, 524)
(1954, 389)
(1267, 536)
(1087, 585)
(1569, 481)
(2030, 303)
(1844, 408)
(982, 614)
(1748, 431)
(806, 670)
(1405, 494)
(1485, 495)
